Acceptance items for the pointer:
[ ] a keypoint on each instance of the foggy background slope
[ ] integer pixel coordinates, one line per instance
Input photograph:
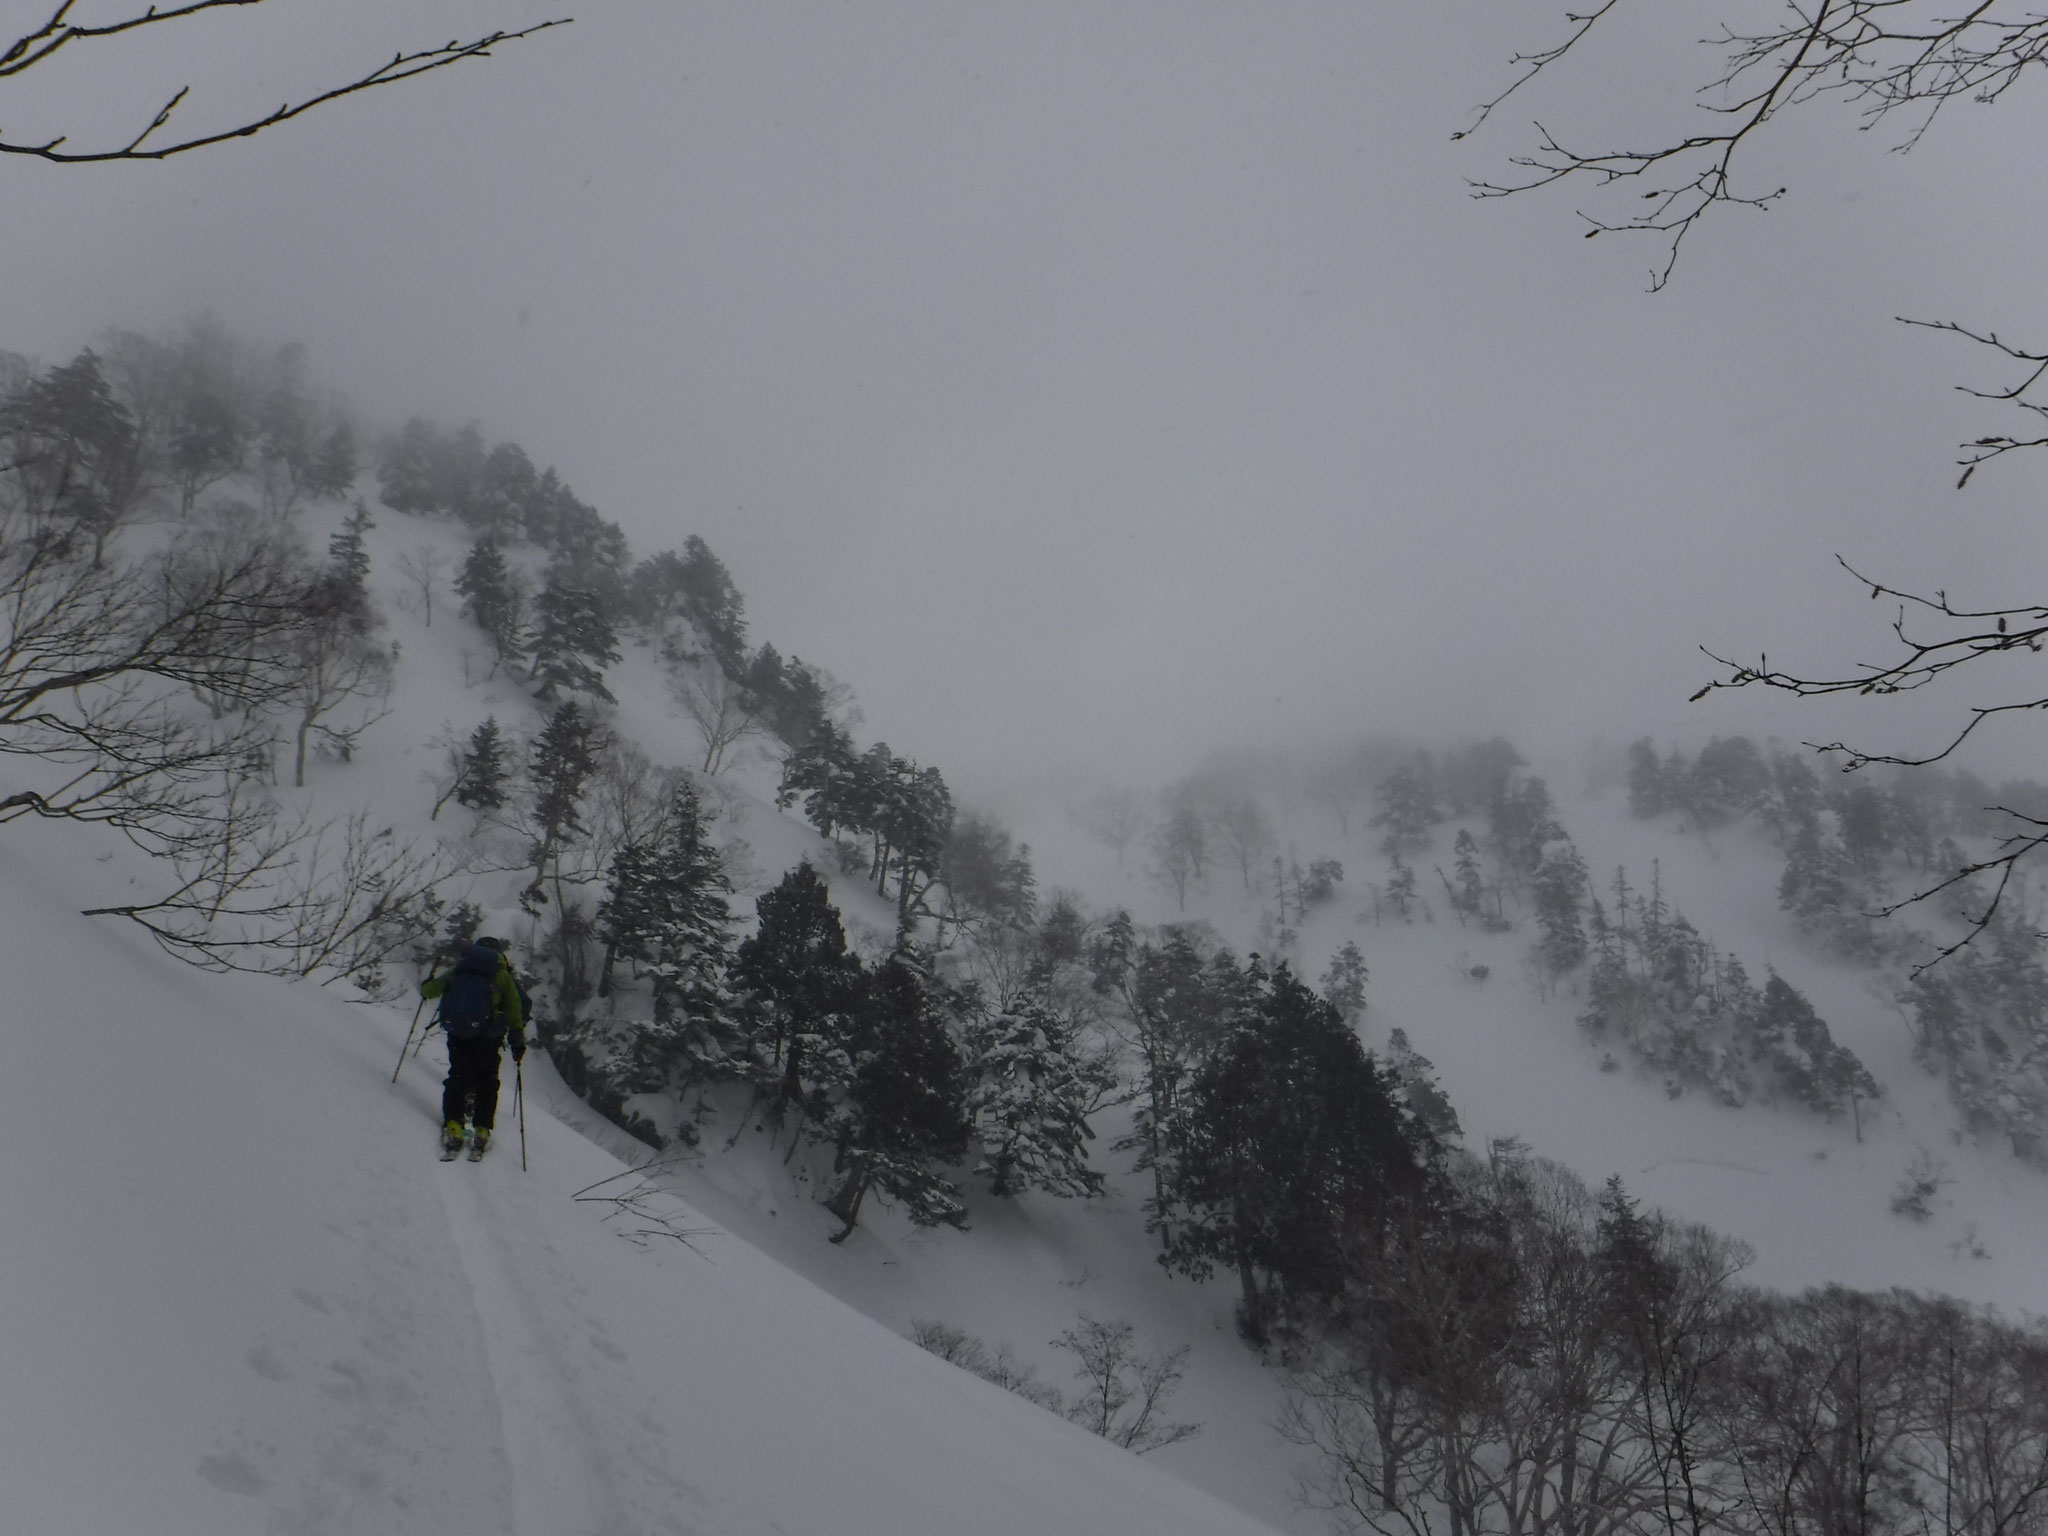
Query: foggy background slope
(1058, 373)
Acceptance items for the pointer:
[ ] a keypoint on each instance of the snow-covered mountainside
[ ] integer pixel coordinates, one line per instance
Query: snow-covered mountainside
(241, 1295)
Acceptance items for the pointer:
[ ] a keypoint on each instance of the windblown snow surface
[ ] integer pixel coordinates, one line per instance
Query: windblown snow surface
(238, 1293)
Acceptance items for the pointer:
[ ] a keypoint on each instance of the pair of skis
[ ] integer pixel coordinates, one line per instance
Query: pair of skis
(451, 1149)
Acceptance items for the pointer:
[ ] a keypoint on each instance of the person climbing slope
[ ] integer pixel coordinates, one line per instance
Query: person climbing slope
(480, 1008)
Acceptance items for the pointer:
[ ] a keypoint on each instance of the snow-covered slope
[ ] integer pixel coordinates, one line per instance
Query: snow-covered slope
(1810, 1197)
(240, 1294)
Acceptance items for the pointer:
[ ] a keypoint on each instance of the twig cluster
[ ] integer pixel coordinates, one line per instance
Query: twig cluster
(639, 1206)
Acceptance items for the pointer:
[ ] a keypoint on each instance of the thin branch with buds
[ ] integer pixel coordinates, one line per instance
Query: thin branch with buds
(1882, 55)
(59, 33)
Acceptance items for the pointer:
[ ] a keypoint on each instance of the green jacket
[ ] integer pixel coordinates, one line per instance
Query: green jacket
(505, 1004)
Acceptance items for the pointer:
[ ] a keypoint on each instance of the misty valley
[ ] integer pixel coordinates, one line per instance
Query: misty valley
(1390, 1134)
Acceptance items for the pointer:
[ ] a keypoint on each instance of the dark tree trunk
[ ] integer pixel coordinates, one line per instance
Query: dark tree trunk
(846, 1200)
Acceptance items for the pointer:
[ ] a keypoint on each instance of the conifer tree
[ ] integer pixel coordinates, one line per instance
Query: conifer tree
(480, 783)
(1468, 895)
(1524, 823)
(1821, 891)
(1795, 1044)
(1647, 794)
(341, 593)
(492, 598)
(709, 600)
(1033, 1090)
(1343, 984)
(564, 757)
(574, 639)
(73, 448)
(692, 945)
(1560, 894)
(1293, 1141)
(668, 910)
(627, 917)
(904, 1107)
(405, 468)
(1420, 1091)
(1408, 806)
(799, 977)
(1400, 887)
(1178, 1003)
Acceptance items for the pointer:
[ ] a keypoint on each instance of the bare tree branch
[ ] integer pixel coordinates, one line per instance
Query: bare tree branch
(58, 33)
(1983, 632)
(1979, 633)
(335, 899)
(1881, 55)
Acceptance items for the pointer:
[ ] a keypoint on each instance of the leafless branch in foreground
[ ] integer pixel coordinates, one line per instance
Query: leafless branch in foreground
(1883, 56)
(1961, 636)
(59, 33)
(334, 900)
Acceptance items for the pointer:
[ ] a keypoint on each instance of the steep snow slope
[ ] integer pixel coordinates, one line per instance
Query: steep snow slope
(1811, 1199)
(241, 1295)
(238, 1264)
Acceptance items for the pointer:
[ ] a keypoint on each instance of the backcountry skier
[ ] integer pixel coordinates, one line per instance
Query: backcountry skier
(480, 1009)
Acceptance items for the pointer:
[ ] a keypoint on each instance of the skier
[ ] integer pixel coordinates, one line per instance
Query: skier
(480, 1007)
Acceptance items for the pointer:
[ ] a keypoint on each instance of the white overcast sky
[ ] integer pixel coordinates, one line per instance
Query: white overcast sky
(1104, 382)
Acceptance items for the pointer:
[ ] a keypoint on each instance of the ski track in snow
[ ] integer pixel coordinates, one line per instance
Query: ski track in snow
(561, 1483)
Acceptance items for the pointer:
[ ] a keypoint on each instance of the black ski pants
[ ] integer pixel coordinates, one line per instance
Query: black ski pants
(472, 1070)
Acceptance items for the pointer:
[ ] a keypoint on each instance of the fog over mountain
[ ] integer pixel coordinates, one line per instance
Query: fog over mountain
(1096, 386)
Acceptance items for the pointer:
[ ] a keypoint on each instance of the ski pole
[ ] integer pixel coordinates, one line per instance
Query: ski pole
(408, 1039)
(519, 1099)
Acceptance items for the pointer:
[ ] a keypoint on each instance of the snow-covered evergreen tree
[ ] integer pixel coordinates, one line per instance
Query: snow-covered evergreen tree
(1468, 893)
(1560, 896)
(903, 1110)
(1408, 806)
(1524, 823)
(1293, 1138)
(564, 757)
(1402, 898)
(797, 977)
(574, 638)
(1034, 1087)
(1420, 1091)
(480, 782)
(1680, 1007)
(684, 945)
(493, 598)
(1343, 983)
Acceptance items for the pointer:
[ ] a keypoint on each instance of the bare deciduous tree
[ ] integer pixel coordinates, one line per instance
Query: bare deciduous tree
(1180, 853)
(334, 667)
(1113, 817)
(333, 899)
(444, 767)
(96, 661)
(725, 712)
(1245, 834)
(423, 566)
(1126, 1388)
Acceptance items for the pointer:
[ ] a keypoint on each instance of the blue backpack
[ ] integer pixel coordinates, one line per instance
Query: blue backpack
(466, 1003)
